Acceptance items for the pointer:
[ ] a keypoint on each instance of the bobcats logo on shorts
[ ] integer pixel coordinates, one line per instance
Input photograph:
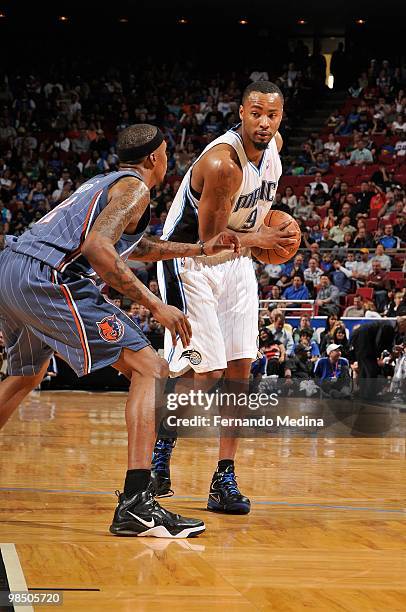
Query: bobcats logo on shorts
(111, 329)
(194, 356)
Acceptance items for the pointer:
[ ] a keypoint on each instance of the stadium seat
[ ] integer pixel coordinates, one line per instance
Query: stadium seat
(398, 278)
(366, 292)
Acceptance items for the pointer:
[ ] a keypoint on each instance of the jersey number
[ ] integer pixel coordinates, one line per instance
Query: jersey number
(250, 222)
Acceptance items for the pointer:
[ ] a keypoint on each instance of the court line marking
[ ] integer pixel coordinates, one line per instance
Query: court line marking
(14, 571)
(195, 499)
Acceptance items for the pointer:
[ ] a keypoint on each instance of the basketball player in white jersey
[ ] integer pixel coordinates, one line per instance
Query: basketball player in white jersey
(231, 185)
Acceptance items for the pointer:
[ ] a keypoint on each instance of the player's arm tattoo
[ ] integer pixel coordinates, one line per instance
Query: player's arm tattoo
(128, 207)
(215, 204)
(154, 249)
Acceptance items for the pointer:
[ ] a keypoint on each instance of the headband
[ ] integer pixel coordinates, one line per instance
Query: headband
(134, 153)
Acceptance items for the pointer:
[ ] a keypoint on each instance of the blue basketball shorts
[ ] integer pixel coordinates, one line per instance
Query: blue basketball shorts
(42, 312)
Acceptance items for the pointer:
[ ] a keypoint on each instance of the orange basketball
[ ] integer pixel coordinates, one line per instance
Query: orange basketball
(275, 255)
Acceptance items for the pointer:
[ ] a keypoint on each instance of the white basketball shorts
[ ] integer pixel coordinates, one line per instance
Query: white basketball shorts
(220, 297)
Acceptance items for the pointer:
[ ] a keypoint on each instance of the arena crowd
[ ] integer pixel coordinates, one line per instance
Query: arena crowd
(346, 187)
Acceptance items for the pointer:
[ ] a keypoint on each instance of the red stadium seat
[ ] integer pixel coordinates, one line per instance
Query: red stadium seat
(398, 278)
(366, 292)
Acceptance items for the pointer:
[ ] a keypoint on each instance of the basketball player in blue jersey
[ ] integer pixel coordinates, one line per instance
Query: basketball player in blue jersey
(50, 300)
(231, 185)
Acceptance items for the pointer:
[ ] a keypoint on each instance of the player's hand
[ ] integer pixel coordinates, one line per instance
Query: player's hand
(176, 322)
(224, 241)
(279, 236)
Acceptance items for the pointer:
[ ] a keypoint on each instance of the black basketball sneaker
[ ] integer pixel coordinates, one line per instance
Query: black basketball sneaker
(224, 495)
(141, 515)
(160, 470)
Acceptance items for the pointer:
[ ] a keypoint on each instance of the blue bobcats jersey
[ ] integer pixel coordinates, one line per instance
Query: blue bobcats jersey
(57, 238)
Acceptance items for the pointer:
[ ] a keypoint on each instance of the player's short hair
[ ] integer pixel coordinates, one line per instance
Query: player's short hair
(262, 87)
(139, 137)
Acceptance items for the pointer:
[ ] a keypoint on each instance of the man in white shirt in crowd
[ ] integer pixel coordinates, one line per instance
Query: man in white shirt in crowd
(361, 155)
(383, 259)
(337, 232)
(313, 273)
(356, 311)
(318, 181)
(363, 268)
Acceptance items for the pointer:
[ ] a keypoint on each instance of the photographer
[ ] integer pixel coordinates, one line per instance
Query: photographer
(369, 341)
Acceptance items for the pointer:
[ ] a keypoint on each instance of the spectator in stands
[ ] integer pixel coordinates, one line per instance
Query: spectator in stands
(326, 336)
(281, 334)
(361, 155)
(340, 338)
(38, 197)
(304, 324)
(313, 273)
(297, 291)
(399, 229)
(397, 306)
(399, 125)
(314, 251)
(289, 198)
(274, 272)
(330, 220)
(383, 259)
(332, 373)
(341, 277)
(326, 264)
(263, 286)
(142, 318)
(363, 197)
(153, 287)
(318, 181)
(400, 148)
(379, 282)
(274, 351)
(310, 346)
(388, 240)
(332, 146)
(304, 208)
(291, 267)
(341, 250)
(355, 311)
(157, 230)
(363, 240)
(284, 281)
(320, 199)
(349, 261)
(370, 311)
(301, 368)
(328, 297)
(274, 296)
(155, 334)
(326, 242)
(337, 232)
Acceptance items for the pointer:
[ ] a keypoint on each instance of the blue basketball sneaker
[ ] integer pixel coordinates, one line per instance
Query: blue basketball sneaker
(224, 495)
(160, 471)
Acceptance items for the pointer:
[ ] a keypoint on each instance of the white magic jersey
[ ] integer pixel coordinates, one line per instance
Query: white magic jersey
(250, 204)
(219, 294)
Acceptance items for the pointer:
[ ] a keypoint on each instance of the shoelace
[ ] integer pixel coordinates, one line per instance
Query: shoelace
(162, 454)
(229, 481)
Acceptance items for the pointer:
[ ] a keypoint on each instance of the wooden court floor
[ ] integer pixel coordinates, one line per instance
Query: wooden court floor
(327, 530)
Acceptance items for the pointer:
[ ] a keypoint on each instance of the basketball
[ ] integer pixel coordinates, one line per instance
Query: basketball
(276, 255)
